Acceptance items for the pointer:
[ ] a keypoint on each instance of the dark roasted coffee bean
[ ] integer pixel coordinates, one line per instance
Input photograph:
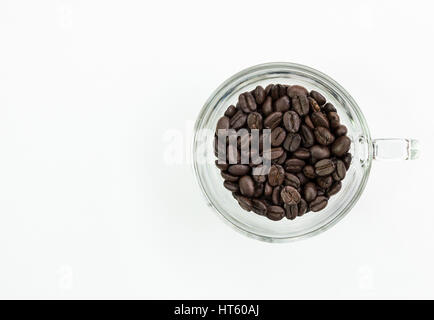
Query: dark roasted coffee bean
(294, 165)
(283, 90)
(308, 122)
(275, 196)
(291, 211)
(347, 160)
(291, 121)
(242, 103)
(290, 195)
(335, 188)
(291, 180)
(341, 130)
(292, 142)
(324, 182)
(302, 153)
(302, 207)
(221, 166)
(310, 191)
(303, 179)
(223, 123)
(259, 94)
(314, 106)
(329, 108)
(267, 107)
(244, 202)
(247, 186)
(268, 190)
(238, 119)
(296, 90)
(323, 136)
(275, 213)
(231, 186)
(309, 172)
(300, 104)
(268, 89)
(251, 102)
(230, 111)
(319, 152)
(276, 175)
(259, 207)
(334, 119)
(239, 169)
(229, 177)
(307, 136)
(274, 153)
(319, 119)
(340, 171)
(281, 160)
(275, 92)
(318, 204)
(278, 135)
(324, 167)
(273, 120)
(254, 120)
(319, 98)
(282, 104)
(341, 146)
(259, 190)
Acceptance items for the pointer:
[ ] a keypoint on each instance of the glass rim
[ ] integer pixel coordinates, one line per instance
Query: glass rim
(262, 69)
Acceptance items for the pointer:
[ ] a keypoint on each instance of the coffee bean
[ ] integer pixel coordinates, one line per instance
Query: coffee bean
(223, 123)
(275, 213)
(310, 191)
(244, 203)
(307, 136)
(229, 177)
(309, 172)
(302, 207)
(323, 136)
(335, 188)
(314, 106)
(292, 142)
(239, 169)
(340, 171)
(291, 180)
(275, 196)
(281, 160)
(294, 165)
(254, 121)
(296, 90)
(329, 108)
(278, 135)
(346, 158)
(267, 107)
(259, 94)
(290, 195)
(319, 152)
(302, 178)
(302, 153)
(341, 146)
(231, 186)
(319, 119)
(334, 119)
(291, 211)
(282, 104)
(247, 186)
(291, 121)
(300, 104)
(242, 103)
(319, 98)
(308, 121)
(238, 120)
(324, 167)
(274, 153)
(221, 166)
(259, 207)
(324, 182)
(341, 130)
(273, 120)
(275, 92)
(268, 190)
(230, 111)
(318, 204)
(276, 175)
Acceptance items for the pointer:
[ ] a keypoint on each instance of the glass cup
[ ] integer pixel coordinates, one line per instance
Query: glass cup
(364, 149)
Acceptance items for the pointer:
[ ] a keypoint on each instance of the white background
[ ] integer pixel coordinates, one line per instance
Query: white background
(89, 208)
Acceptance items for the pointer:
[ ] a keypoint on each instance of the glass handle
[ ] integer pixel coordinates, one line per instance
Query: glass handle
(396, 149)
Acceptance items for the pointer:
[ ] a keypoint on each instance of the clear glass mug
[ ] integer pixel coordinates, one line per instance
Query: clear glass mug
(363, 150)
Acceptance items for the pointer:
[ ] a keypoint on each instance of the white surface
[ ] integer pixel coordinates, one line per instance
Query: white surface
(91, 208)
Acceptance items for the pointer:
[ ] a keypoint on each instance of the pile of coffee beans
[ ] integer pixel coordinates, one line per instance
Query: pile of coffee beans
(309, 151)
